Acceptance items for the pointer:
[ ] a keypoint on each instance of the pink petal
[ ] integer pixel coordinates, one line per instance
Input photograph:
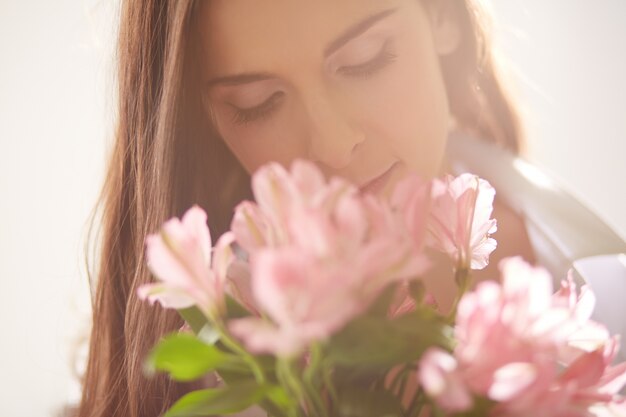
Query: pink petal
(310, 231)
(223, 255)
(175, 262)
(460, 222)
(307, 177)
(239, 286)
(481, 253)
(180, 256)
(168, 297)
(251, 227)
(278, 280)
(402, 302)
(532, 285)
(512, 379)
(412, 198)
(351, 219)
(437, 375)
(586, 370)
(614, 379)
(195, 223)
(273, 190)
(261, 337)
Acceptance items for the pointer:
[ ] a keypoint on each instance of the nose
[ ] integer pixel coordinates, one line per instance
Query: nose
(332, 139)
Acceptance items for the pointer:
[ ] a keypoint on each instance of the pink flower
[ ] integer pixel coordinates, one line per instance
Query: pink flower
(239, 285)
(252, 228)
(403, 302)
(391, 241)
(532, 352)
(320, 253)
(180, 256)
(460, 223)
(277, 193)
(411, 200)
(328, 219)
(441, 380)
(305, 300)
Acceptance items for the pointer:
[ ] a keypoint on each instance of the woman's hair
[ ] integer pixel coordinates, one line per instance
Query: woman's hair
(166, 157)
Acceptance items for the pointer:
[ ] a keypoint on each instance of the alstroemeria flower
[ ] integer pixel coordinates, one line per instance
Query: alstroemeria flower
(305, 300)
(277, 191)
(189, 270)
(319, 252)
(411, 199)
(441, 380)
(531, 352)
(460, 223)
(327, 218)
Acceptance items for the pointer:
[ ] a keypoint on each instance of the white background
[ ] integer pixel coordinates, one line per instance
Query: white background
(56, 103)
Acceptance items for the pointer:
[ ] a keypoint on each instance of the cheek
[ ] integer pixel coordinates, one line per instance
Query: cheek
(408, 113)
(257, 143)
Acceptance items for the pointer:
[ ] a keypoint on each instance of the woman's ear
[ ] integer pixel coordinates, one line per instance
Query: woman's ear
(445, 25)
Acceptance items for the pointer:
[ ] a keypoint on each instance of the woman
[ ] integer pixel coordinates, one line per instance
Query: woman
(211, 90)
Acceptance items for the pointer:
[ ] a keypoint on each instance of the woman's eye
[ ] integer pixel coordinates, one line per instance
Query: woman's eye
(381, 60)
(243, 116)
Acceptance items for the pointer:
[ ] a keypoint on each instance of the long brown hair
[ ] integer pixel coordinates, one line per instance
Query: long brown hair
(166, 157)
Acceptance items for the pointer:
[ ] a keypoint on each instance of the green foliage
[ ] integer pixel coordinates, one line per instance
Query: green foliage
(218, 401)
(235, 310)
(194, 317)
(186, 358)
(359, 402)
(374, 342)
(347, 373)
(380, 306)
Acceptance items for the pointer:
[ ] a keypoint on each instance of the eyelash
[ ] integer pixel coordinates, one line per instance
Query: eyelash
(244, 116)
(366, 70)
(384, 58)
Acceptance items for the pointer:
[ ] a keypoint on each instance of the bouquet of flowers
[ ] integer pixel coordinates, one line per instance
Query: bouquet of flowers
(315, 304)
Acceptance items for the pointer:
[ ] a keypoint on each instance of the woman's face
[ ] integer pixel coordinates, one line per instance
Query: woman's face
(353, 85)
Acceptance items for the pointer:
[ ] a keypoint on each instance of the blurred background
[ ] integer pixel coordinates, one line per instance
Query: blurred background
(568, 59)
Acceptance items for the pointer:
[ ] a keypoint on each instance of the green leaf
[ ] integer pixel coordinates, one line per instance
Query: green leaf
(194, 317)
(358, 402)
(373, 342)
(236, 374)
(200, 325)
(279, 396)
(186, 358)
(235, 310)
(218, 401)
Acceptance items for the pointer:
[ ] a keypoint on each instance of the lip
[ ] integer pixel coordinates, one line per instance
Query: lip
(376, 184)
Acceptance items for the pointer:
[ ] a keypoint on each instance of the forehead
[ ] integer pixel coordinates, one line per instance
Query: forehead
(240, 35)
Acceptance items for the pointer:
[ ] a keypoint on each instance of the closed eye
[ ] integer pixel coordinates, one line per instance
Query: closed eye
(247, 115)
(369, 68)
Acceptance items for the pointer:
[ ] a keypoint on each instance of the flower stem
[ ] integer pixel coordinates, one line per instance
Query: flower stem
(230, 343)
(329, 383)
(309, 375)
(462, 278)
(316, 400)
(287, 378)
(400, 376)
(416, 405)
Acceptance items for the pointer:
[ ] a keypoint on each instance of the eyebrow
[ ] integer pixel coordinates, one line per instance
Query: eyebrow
(351, 33)
(356, 30)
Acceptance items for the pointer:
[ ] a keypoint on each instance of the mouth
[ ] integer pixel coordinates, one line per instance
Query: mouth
(377, 184)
